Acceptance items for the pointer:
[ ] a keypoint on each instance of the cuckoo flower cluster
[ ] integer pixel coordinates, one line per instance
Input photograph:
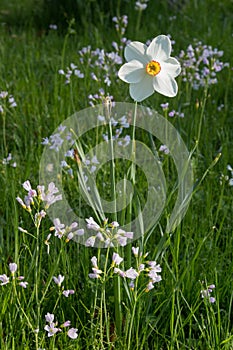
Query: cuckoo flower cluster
(99, 65)
(149, 269)
(58, 280)
(9, 160)
(69, 232)
(206, 293)
(201, 64)
(107, 235)
(6, 101)
(56, 140)
(227, 178)
(4, 279)
(141, 5)
(35, 197)
(52, 327)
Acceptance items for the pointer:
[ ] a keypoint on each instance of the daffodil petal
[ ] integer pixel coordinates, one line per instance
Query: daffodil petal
(142, 90)
(136, 51)
(132, 72)
(159, 49)
(172, 67)
(165, 85)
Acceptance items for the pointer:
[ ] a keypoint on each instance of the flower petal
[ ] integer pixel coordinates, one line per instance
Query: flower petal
(142, 90)
(165, 84)
(160, 48)
(136, 51)
(172, 67)
(132, 72)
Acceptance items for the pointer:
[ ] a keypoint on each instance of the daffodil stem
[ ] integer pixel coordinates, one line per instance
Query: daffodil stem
(117, 285)
(132, 178)
(112, 171)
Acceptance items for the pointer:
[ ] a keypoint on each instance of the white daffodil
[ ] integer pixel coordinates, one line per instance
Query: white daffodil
(150, 68)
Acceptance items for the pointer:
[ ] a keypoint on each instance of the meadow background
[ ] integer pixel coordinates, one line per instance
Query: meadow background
(38, 41)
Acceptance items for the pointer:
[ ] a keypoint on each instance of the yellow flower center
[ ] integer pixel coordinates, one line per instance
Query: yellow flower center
(153, 68)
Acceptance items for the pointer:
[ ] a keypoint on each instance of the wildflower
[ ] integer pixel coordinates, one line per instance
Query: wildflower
(164, 149)
(131, 285)
(66, 293)
(72, 333)
(96, 271)
(116, 259)
(164, 106)
(66, 324)
(38, 217)
(23, 284)
(131, 273)
(150, 68)
(13, 267)
(12, 102)
(51, 329)
(4, 279)
(90, 241)
(135, 251)
(149, 286)
(49, 317)
(92, 225)
(3, 94)
(119, 272)
(9, 158)
(53, 26)
(141, 5)
(58, 280)
(94, 261)
(58, 227)
(206, 293)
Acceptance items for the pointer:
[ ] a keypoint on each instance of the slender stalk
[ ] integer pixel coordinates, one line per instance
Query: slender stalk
(117, 286)
(4, 130)
(132, 317)
(37, 281)
(201, 116)
(132, 178)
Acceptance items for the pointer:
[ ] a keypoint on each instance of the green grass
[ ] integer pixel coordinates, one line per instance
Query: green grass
(198, 253)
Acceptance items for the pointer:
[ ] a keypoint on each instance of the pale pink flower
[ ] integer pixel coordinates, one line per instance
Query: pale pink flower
(51, 329)
(13, 267)
(72, 333)
(92, 225)
(66, 293)
(116, 259)
(131, 273)
(49, 317)
(58, 280)
(4, 279)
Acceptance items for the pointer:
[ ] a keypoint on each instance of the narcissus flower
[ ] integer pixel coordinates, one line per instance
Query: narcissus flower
(150, 68)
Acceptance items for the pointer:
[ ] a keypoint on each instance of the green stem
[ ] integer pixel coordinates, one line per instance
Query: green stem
(201, 117)
(37, 277)
(132, 317)
(4, 130)
(117, 285)
(117, 302)
(112, 171)
(132, 178)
